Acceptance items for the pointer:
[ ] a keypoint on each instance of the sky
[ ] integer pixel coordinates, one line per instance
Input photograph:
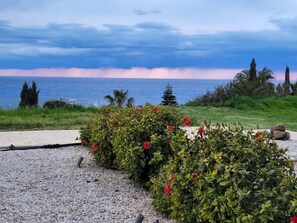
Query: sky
(208, 39)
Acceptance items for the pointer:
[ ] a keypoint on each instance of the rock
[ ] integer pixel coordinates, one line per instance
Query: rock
(278, 134)
(278, 128)
(287, 135)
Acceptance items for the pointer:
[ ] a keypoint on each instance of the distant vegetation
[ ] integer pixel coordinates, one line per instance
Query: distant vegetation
(251, 84)
(29, 96)
(168, 97)
(120, 98)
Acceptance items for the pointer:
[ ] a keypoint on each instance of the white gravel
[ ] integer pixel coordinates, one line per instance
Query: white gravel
(44, 185)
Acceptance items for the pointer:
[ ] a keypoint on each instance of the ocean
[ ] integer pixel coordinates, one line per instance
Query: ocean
(91, 91)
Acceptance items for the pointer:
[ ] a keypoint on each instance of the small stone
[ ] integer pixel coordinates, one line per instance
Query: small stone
(287, 136)
(278, 128)
(279, 134)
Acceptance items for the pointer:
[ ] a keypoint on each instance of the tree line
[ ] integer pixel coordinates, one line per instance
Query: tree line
(251, 82)
(29, 98)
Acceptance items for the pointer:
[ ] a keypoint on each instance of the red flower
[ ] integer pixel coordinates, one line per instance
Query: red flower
(194, 175)
(155, 108)
(170, 128)
(258, 134)
(115, 122)
(201, 130)
(187, 118)
(188, 122)
(167, 189)
(171, 178)
(146, 145)
(94, 147)
(293, 220)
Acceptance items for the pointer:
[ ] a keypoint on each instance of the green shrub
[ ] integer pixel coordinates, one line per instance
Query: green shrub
(98, 135)
(140, 142)
(63, 104)
(132, 139)
(52, 104)
(221, 94)
(243, 103)
(226, 174)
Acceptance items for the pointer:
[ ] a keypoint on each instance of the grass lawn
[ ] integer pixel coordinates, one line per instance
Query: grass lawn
(251, 113)
(262, 113)
(249, 119)
(40, 119)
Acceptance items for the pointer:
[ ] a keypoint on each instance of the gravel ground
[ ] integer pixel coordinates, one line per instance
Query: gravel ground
(44, 185)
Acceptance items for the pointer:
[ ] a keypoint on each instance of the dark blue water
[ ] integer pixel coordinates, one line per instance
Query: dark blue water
(91, 91)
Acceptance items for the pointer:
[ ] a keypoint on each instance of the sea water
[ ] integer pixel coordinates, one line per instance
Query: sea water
(91, 91)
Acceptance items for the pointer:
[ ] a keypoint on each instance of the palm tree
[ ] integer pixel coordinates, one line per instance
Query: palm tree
(119, 98)
(257, 86)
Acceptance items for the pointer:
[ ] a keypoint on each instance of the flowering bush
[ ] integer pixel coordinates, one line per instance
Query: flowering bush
(141, 141)
(132, 139)
(226, 175)
(98, 135)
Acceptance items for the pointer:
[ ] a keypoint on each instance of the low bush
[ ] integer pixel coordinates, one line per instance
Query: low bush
(221, 94)
(98, 136)
(225, 174)
(52, 104)
(140, 142)
(132, 139)
(243, 103)
(61, 103)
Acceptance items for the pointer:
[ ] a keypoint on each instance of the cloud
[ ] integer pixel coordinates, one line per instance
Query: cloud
(288, 25)
(135, 72)
(156, 11)
(139, 12)
(155, 26)
(142, 12)
(145, 44)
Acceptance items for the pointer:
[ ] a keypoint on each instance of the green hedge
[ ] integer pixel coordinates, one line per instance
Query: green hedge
(132, 139)
(217, 174)
(226, 174)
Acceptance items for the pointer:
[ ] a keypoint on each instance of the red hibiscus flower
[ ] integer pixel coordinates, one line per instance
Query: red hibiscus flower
(167, 189)
(170, 128)
(194, 175)
(171, 178)
(155, 109)
(146, 145)
(188, 122)
(201, 130)
(293, 220)
(94, 147)
(258, 134)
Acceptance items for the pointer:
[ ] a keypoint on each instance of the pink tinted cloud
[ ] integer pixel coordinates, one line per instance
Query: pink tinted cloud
(168, 73)
(171, 73)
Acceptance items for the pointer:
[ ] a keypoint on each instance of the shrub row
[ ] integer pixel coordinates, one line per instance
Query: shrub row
(216, 174)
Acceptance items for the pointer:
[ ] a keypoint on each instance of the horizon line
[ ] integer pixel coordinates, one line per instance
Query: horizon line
(135, 72)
